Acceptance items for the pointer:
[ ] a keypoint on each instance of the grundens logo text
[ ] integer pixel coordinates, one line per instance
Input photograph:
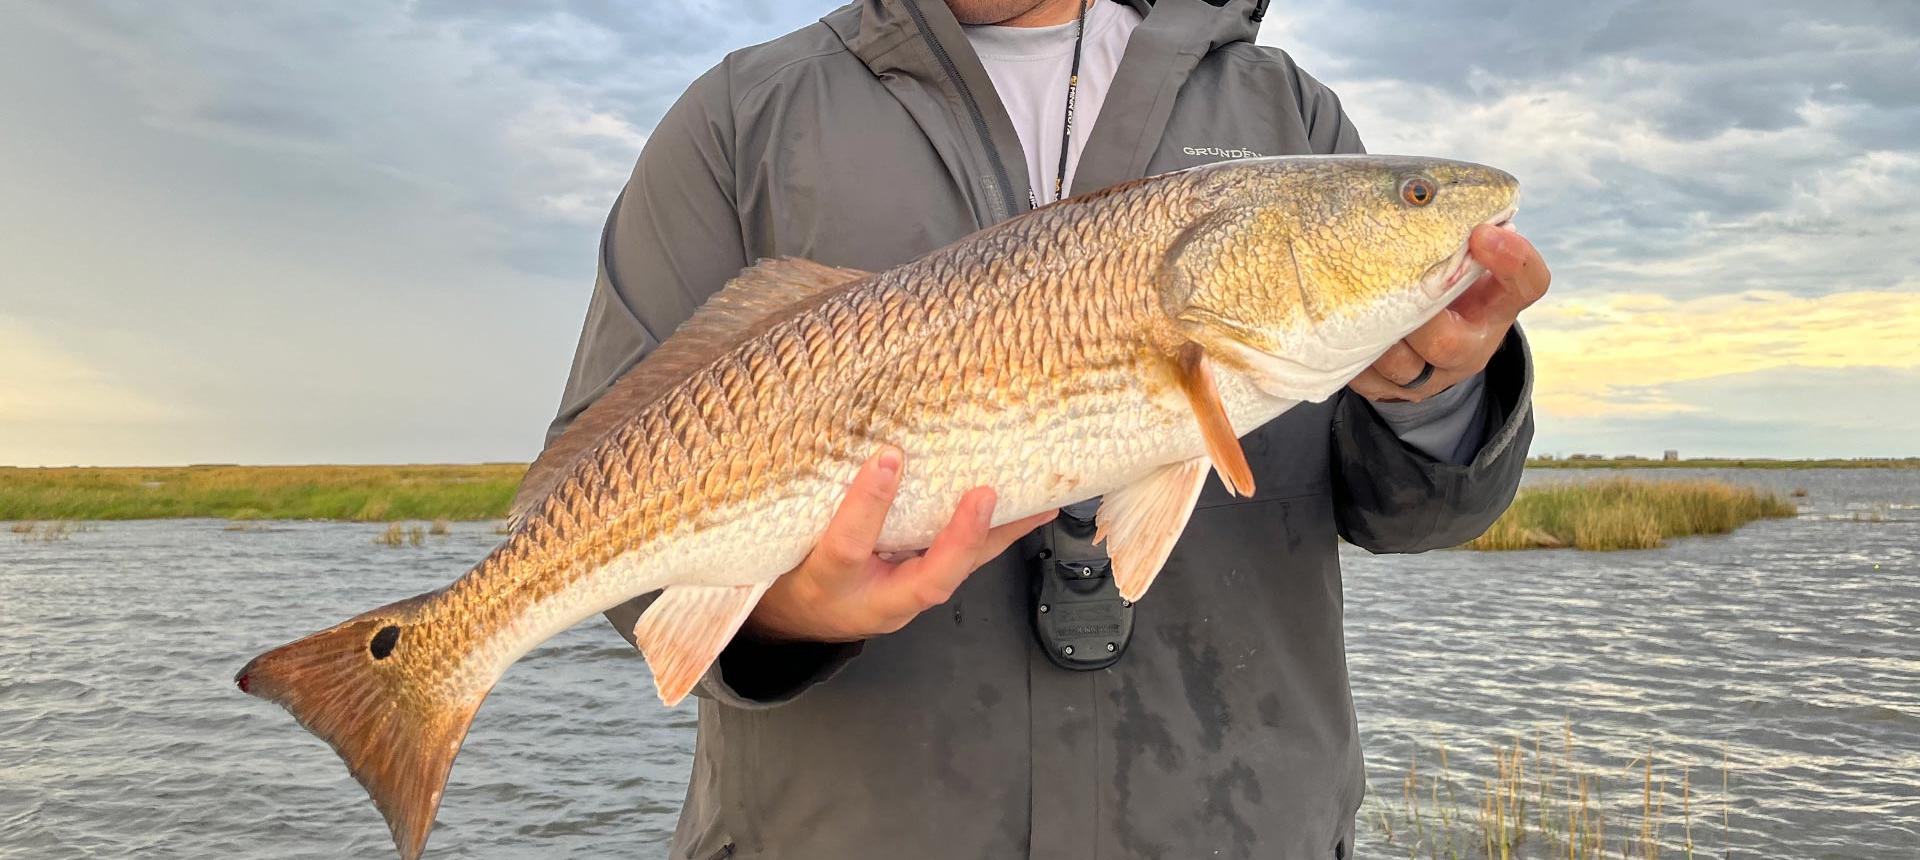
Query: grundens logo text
(1218, 152)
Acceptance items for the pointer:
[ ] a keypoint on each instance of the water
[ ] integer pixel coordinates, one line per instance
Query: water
(1794, 646)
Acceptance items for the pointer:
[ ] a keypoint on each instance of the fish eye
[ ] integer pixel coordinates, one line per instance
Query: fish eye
(1418, 190)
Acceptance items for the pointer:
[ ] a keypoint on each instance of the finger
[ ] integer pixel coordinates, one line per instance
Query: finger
(855, 527)
(930, 579)
(1400, 364)
(1371, 385)
(1519, 275)
(1449, 341)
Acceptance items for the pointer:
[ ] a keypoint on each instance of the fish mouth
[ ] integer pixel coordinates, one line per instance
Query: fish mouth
(1461, 268)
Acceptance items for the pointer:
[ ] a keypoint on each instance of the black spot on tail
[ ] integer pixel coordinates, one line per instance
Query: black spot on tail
(383, 642)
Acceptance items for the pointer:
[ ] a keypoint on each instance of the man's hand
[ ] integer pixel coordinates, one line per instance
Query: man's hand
(844, 592)
(1462, 339)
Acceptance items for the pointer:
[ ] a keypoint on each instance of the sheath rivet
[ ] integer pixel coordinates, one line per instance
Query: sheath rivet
(1044, 608)
(1111, 647)
(1086, 572)
(1126, 604)
(1067, 651)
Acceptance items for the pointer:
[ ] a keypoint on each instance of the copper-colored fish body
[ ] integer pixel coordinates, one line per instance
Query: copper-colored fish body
(1113, 344)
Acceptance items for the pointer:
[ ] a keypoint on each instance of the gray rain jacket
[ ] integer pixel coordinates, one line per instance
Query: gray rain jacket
(1227, 730)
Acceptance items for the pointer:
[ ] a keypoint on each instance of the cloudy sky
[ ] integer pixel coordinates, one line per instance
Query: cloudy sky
(364, 231)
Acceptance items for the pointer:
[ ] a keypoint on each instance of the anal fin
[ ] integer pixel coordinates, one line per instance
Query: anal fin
(1223, 445)
(1141, 523)
(685, 630)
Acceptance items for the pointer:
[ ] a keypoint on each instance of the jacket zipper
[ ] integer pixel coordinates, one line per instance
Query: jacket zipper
(1005, 209)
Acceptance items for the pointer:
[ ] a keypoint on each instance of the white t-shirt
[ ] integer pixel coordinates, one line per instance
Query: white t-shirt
(1030, 66)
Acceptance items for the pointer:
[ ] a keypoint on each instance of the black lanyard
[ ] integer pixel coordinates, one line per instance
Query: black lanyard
(1066, 126)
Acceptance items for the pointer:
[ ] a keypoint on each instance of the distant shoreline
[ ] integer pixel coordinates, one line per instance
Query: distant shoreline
(343, 493)
(1630, 462)
(399, 493)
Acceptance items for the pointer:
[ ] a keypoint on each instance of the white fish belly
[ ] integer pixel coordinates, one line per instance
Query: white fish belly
(1093, 446)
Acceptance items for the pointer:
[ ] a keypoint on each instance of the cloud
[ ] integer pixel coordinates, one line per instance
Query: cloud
(1722, 189)
(372, 94)
(358, 231)
(1624, 353)
(365, 230)
(1685, 147)
(585, 153)
(1619, 204)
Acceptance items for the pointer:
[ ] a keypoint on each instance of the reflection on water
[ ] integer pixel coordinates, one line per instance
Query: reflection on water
(1794, 646)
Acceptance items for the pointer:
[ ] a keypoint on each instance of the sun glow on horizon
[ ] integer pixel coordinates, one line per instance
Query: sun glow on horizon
(1604, 355)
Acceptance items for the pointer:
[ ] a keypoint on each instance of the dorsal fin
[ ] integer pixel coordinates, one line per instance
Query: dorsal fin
(758, 294)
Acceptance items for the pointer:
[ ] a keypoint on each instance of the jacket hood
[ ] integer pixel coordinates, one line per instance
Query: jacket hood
(874, 30)
(918, 45)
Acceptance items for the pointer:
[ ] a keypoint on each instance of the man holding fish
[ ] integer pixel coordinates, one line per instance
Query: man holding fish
(879, 707)
(921, 361)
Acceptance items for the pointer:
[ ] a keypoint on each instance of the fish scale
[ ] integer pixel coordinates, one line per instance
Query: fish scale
(1113, 345)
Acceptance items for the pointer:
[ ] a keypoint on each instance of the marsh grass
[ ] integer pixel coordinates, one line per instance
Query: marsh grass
(397, 535)
(56, 530)
(53, 530)
(393, 536)
(1626, 513)
(1539, 800)
(358, 493)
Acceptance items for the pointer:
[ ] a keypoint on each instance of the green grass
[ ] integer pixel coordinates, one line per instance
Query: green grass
(1630, 462)
(354, 493)
(480, 492)
(1624, 513)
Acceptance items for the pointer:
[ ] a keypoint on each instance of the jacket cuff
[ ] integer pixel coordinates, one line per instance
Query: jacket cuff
(1448, 426)
(1505, 392)
(1509, 393)
(751, 673)
(756, 674)
(1393, 497)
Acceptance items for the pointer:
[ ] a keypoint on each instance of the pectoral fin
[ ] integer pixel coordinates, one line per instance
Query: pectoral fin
(686, 628)
(1141, 522)
(1223, 446)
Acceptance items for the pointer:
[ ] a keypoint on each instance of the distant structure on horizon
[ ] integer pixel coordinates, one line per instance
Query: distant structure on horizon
(1671, 455)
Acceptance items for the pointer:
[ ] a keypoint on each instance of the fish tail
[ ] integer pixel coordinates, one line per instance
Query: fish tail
(368, 688)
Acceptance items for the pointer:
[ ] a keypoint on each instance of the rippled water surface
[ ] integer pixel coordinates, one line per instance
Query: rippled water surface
(1790, 647)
